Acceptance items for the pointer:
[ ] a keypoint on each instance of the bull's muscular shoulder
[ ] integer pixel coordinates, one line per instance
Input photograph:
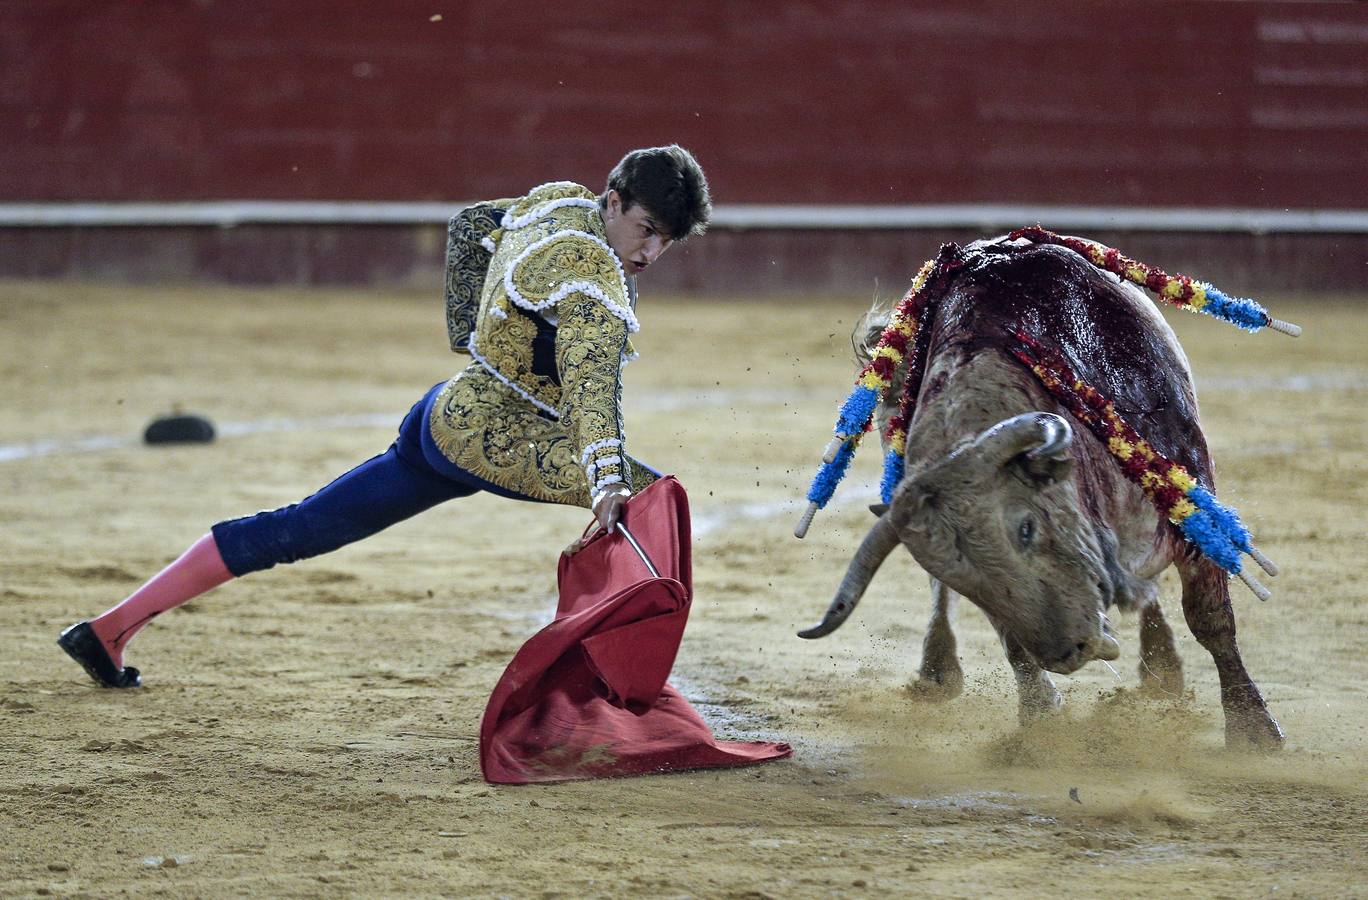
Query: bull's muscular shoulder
(1111, 332)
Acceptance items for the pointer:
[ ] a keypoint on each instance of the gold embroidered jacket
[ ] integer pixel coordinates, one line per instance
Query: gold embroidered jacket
(538, 411)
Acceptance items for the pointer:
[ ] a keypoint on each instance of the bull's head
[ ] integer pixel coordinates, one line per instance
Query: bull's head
(999, 521)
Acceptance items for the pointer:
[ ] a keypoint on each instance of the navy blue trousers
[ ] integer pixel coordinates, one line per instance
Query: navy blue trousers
(409, 477)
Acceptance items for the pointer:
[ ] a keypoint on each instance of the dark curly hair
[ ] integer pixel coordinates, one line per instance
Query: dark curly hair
(669, 184)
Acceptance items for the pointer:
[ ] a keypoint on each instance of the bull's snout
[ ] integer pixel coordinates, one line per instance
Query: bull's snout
(1098, 646)
(1106, 648)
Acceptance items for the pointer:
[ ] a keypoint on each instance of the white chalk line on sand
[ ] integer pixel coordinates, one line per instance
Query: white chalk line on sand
(850, 492)
(670, 401)
(57, 446)
(703, 524)
(1292, 384)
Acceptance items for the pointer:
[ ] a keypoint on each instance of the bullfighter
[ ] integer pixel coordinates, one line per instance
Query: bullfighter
(541, 293)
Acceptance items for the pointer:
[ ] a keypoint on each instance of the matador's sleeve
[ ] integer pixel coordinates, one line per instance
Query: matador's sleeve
(589, 344)
(577, 275)
(470, 242)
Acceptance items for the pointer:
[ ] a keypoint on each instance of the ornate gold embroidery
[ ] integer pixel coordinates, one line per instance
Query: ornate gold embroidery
(551, 250)
(511, 353)
(508, 348)
(482, 426)
(556, 260)
(467, 263)
(589, 344)
(545, 193)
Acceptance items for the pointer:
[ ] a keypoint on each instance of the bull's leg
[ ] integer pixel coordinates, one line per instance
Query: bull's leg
(1161, 671)
(1036, 693)
(940, 678)
(1206, 604)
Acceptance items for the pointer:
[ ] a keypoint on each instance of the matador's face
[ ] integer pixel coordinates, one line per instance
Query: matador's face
(635, 236)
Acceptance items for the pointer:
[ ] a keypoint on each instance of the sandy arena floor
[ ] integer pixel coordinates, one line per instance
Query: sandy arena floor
(310, 731)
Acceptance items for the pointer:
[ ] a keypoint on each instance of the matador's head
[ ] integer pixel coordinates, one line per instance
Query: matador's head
(655, 196)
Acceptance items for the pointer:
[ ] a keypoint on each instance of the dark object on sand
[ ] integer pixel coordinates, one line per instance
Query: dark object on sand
(180, 429)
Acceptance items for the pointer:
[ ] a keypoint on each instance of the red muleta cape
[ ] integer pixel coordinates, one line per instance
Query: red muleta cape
(586, 697)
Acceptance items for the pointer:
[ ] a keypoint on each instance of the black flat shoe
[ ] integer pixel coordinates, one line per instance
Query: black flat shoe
(82, 645)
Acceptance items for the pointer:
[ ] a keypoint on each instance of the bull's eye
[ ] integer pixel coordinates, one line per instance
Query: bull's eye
(1026, 532)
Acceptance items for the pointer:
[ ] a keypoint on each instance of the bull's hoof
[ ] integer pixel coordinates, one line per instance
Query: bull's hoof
(1038, 702)
(1161, 682)
(1253, 730)
(937, 686)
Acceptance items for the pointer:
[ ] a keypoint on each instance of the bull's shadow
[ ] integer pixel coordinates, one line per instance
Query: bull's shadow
(1007, 502)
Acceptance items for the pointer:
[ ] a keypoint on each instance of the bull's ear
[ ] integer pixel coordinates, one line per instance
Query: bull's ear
(915, 503)
(1043, 471)
(878, 509)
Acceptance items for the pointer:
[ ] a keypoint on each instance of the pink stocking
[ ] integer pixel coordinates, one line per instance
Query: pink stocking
(199, 569)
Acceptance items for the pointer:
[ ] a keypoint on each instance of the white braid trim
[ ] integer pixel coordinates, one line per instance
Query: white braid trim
(585, 287)
(604, 482)
(554, 184)
(542, 210)
(593, 290)
(488, 244)
(597, 446)
(497, 312)
(591, 471)
(549, 184)
(506, 380)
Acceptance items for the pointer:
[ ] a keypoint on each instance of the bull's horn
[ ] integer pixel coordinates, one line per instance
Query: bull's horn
(1043, 434)
(1058, 439)
(874, 549)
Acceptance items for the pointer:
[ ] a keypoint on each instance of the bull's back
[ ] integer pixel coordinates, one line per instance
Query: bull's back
(1111, 333)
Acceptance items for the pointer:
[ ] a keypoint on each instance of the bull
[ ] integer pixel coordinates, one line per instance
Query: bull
(1004, 501)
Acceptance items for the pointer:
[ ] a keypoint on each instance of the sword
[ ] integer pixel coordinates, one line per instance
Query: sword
(622, 529)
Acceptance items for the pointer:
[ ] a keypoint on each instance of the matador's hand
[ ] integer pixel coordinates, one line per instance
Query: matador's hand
(608, 505)
(607, 510)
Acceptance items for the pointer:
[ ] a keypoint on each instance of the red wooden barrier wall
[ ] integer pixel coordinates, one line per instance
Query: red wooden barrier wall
(1192, 103)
